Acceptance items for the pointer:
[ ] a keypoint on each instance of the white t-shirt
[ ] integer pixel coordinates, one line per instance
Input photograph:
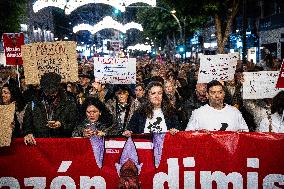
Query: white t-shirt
(157, 124)
(277, 124)
(206, 117)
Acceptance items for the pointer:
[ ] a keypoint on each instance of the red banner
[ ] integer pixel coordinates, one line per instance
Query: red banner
(189, 160)
(280, 81)
(12, 47)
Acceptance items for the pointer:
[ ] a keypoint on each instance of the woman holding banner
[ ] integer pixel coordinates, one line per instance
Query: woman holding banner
(156, 114)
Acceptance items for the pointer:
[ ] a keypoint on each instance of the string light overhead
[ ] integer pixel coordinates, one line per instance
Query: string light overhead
(71, 5)
(108, 23)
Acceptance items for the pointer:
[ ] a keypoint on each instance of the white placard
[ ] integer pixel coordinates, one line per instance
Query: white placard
(259, 85)
(217, 67)
(115, 70)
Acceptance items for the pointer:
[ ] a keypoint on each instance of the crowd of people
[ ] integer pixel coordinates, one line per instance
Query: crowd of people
(165, 98)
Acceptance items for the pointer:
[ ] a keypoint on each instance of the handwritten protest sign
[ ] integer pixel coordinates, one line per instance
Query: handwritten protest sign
(12, 48)
(217, 67)
(115, 70)
(280, 81)
(259, 85)
(58, 57)
(6, 119)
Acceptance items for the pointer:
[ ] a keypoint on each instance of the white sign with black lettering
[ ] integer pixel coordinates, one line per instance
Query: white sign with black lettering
(259, 85)
(217, 67)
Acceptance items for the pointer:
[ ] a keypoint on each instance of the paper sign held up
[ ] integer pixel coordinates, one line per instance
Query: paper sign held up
(115, 70)
(59, 57)
(6, 119)
(259, 85)
(217, 67)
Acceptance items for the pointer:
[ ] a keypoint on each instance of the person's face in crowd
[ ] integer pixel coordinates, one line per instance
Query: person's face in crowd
(51, 95)
(92, 113)
(169, 88)
(182, 74)
(139, 92)
(201, 92)
(85, 81)
(216, 96)
(162, 72)
(6, 95)
(98, 86)
(23, 83)
(122, 96)
(156, 96)
(69, 87)
(231, 82)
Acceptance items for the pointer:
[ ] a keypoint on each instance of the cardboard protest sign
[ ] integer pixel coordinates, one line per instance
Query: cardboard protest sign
(115, 70)
(12, 48)
(6, 119)
(259, 85)
(280, 81)
(217, 67)
(58, 57)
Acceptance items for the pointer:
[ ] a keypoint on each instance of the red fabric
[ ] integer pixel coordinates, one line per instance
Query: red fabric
(280, 81)
(214, 151)
(12, 47)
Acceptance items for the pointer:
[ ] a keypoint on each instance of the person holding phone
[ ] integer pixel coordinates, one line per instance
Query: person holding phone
(52, 115)
(216, 115)
(97, 120)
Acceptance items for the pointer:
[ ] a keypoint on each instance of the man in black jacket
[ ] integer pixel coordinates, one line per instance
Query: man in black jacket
(51, 116)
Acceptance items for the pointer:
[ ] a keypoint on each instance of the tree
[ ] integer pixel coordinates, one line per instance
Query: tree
(159, 23)
(223, 13)
(11, 12)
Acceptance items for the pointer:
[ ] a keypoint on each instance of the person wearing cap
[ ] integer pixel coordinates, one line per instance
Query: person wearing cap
(216, 115)
(121, 106)
(53, 115)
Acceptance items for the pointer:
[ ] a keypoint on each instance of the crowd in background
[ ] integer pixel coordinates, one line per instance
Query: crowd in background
(165, 98)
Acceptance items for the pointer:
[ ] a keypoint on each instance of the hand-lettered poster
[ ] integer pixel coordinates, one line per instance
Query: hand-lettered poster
(115, 70)
(6, 120)
(217, 67)
(58, 57)
(259, 85)
(12, 47)
(280, 81)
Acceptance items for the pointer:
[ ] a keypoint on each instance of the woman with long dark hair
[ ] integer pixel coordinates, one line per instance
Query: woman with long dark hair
(97, 119)
(11, 93)
(156, 114)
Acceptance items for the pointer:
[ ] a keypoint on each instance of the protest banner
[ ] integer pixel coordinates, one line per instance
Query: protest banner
(217, 67)
(280, 81)
(6, 120)
(115, 70)
(212, 160)
(259, 85)
(44, 57)
(12, 43)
